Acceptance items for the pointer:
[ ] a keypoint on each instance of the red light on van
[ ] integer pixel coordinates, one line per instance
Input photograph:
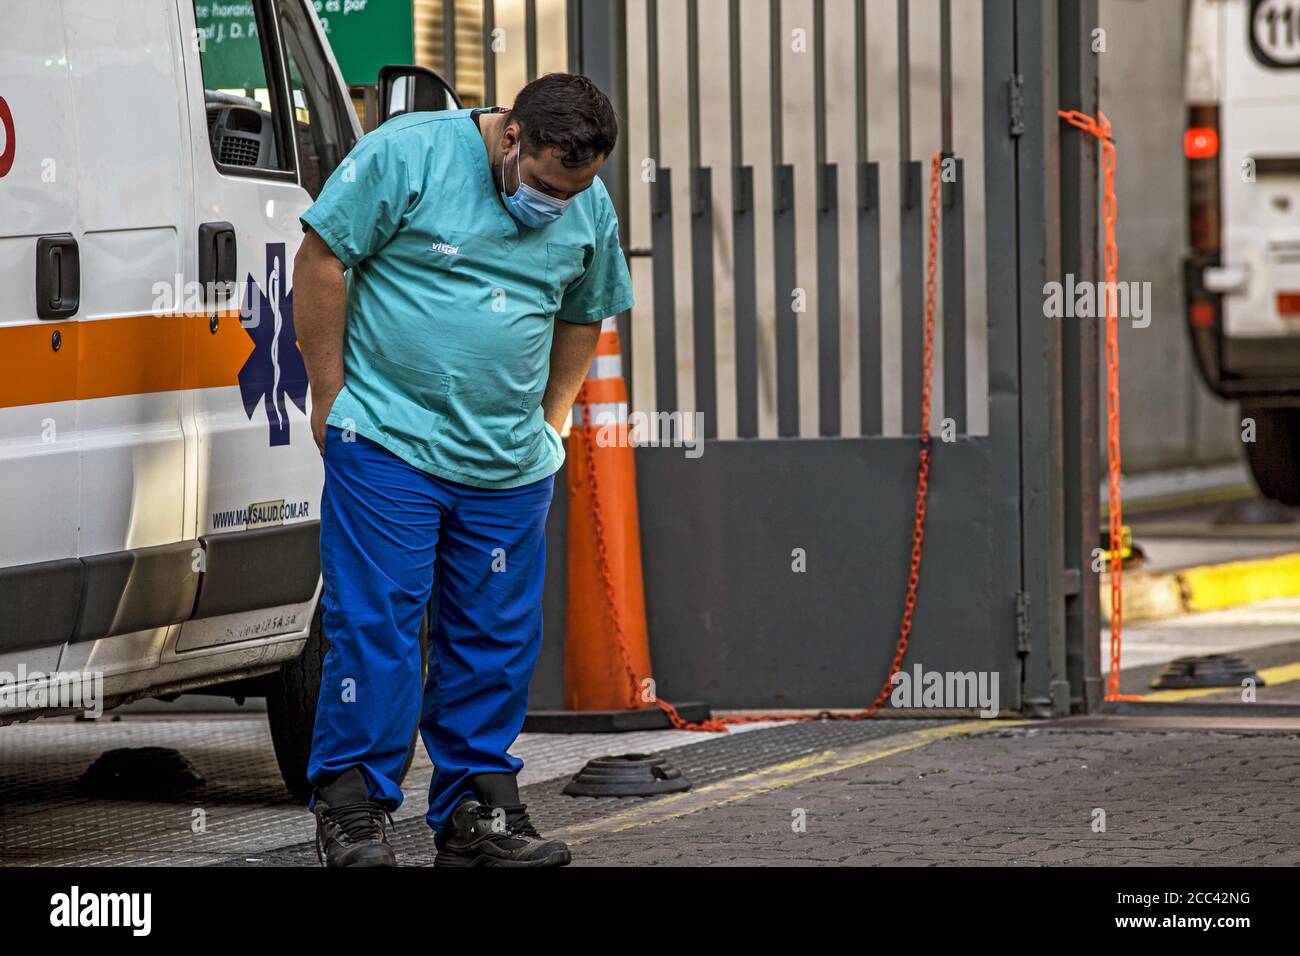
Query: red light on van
(1201, 313)
(1288, 305)
(1201, 142)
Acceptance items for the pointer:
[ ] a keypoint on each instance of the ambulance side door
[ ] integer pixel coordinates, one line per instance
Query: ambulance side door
(40, 474)
(268, 123)
(132, 139)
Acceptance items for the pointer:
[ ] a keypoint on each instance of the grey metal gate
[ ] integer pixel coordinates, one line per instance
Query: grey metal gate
(776, 561)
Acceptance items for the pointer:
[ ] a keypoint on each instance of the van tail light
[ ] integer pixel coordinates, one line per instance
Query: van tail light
(1202, 313)
(1204, 321)
(1201, 146)
(1288, 305)
(1201, 142)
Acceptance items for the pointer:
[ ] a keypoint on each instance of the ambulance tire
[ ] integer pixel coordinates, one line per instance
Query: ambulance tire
(1274, 455)
(291, 708)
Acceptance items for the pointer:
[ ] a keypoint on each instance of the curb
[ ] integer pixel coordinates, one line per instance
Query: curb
(1159, 595)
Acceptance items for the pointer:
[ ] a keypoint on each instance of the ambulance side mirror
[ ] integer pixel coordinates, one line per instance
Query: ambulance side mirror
(413, 89)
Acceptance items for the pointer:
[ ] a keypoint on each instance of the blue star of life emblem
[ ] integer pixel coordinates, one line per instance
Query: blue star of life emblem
(274, 374)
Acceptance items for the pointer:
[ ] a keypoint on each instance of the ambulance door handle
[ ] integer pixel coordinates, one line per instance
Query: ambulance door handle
(58, 276)
(217, 254)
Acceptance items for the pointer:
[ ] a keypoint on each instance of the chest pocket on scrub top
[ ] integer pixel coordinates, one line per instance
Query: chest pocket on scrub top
(564, 266)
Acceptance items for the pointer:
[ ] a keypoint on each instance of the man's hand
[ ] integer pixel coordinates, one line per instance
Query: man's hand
(320, 315)
(320, 410)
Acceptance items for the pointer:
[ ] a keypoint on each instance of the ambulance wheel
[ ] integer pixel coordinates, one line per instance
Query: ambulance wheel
(291, 708)
(1274, 455)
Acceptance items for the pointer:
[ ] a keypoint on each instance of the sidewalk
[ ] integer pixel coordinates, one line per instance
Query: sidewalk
(1026, 795)
(1197, 791)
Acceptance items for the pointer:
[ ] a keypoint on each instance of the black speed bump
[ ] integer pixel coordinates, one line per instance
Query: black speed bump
(1210, 670)
(627, 775)
(144, 773)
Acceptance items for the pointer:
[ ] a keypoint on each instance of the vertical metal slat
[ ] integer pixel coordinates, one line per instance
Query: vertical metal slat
(742, 219)
(742, 228)
(870, 353)
(783, 244)
(663, 280)
(828, 300)
(911, 237)
(449, 42)
(702, 285)
(530, 39)
(786, 281)
(868, 215)
(489, 54)
(912, 276)
(954, 298)
(828, 245)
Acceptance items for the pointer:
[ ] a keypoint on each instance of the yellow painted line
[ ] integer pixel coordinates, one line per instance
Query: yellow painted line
(1152, 595)
(758, 782)
(1272, 676)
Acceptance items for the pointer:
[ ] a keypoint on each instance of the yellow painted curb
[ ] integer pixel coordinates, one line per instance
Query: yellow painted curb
(1152, 595)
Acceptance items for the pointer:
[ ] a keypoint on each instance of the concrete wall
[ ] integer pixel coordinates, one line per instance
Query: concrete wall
(1168, 417)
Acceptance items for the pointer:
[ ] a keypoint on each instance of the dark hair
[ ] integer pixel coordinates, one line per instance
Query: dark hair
(568, 112)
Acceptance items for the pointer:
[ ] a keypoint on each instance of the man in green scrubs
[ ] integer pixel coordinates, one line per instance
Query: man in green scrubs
(450, 291)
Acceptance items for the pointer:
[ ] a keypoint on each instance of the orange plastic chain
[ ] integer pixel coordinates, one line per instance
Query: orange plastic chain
(720, 724)
(1101, 129)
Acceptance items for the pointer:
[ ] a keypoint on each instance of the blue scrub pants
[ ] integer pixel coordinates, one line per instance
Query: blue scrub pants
(386, 529)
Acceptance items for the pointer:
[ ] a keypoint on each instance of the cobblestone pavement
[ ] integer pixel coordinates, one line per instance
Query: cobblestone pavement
(47, 819)
(1183, 790)
(1021, 796)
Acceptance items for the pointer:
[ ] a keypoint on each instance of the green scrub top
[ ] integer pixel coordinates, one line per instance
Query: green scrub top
(452, 302)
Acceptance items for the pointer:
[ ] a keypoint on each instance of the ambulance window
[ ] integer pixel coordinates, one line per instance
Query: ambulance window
(321, 126)
(245, 129)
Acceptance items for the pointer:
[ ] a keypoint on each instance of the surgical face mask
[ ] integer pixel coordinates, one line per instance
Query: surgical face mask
(531, 206)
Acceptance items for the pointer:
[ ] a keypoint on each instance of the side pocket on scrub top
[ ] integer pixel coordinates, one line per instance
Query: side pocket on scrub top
(526, 438)
(409, 404)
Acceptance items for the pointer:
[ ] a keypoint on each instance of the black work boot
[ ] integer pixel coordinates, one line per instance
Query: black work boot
(350, 824)
(496, 831)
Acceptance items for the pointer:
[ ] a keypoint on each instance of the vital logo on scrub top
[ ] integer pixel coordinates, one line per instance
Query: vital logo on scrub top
(274, 373)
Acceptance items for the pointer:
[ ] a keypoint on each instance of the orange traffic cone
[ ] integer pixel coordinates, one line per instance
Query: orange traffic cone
(607, 677)
(606, 650)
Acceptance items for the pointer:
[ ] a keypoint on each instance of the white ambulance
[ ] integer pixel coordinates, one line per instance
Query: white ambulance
(1243, 274)
(159, 486)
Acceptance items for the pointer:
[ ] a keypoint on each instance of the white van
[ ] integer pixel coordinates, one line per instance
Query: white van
(1243, 272)
(159, 485)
